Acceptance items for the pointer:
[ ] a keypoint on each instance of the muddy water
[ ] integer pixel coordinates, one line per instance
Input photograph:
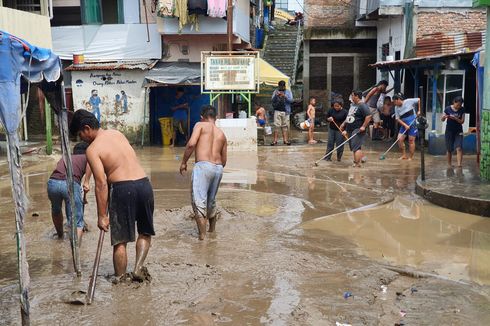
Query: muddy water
(261, 267)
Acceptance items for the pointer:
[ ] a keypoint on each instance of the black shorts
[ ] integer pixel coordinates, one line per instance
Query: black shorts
(454, 140)
(356, 142)
(131, 202)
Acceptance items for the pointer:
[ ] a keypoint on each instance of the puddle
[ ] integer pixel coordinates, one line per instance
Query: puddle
(410, 231)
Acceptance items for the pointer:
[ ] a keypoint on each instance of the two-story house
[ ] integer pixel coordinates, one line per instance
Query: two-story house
(337, 52)
(429, 44)
(122, 40)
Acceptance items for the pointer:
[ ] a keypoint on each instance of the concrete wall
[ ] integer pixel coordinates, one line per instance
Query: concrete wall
(33, 28)
(109, 84)
(241, 134)
(173, 45)
(390, 30)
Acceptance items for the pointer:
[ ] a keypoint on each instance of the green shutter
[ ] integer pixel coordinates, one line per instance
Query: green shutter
(91, 12)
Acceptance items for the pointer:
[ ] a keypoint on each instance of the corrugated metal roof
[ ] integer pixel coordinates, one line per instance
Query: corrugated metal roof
(114, 65)
(448, 43)
(427, 60)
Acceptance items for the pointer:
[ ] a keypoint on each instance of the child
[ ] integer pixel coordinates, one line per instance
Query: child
(261, 115)
(58, 190)
(311, 119)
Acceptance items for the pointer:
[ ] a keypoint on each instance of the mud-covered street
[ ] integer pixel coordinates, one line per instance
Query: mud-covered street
(295, 245)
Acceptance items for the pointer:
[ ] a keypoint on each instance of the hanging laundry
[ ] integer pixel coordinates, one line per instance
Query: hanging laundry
(165, 8)
(198, 7)
(217, 8)
(181, 11)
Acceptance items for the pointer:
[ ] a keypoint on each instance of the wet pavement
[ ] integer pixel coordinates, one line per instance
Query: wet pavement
(292, 239)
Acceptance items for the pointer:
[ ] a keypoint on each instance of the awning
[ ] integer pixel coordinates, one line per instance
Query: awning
(269, 75)
(189, 73)
(175, 73)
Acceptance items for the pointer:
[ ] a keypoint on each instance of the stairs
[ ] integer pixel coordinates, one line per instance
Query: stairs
(280, 48)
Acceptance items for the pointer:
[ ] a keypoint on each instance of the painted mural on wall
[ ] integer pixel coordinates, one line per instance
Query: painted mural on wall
(116, 98)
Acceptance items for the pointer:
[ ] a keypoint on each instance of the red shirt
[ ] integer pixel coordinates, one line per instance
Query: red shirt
(79, 163)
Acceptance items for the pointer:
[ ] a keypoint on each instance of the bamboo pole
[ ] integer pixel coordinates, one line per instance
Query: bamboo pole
(20, 201)
(65, 146)
(49, 131)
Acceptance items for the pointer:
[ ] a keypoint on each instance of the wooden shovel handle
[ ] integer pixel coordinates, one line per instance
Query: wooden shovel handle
(95, 270)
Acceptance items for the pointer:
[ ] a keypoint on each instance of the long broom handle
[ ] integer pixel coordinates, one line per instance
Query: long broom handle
(398, 138)
(333, 150)
(336, 125)
(95, 270)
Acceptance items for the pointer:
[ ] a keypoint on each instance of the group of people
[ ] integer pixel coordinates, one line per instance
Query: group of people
(123, 192)
(391, 115)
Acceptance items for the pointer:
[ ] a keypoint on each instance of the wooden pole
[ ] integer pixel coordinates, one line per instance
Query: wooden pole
(49, 132)
(20, 202)
(229, 20)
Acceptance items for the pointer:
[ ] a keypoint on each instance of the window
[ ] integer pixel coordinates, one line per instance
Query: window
(102, 12)
(282, 4)
(34, 6)
(450, 84)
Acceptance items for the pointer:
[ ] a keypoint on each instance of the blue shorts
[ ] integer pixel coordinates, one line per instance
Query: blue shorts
(261, 122)
(412, 132)
(58, 192)
(206, 177)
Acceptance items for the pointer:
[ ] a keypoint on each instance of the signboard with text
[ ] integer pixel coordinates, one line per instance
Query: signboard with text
(230, 73)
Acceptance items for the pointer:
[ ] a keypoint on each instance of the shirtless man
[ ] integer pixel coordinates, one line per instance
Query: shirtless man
(116, 169)
(209, 142)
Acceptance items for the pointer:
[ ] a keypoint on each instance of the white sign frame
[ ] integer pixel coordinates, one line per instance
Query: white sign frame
(245, 64)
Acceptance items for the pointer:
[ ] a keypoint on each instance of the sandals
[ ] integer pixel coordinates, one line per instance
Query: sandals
(274, 143)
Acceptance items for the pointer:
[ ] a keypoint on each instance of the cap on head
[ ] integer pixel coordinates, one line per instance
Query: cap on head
(82, 118)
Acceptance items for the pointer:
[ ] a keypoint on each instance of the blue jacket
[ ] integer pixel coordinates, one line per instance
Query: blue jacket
(289, 99)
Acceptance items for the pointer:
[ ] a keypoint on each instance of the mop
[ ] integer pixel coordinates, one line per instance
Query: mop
(333, 150)
(383, 156)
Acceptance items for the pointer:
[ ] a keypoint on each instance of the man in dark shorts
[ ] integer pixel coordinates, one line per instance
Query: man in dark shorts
(454, 114)
(356, 123)
(121, 188)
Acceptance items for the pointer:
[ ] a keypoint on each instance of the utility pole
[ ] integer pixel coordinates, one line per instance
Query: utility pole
(229, 20)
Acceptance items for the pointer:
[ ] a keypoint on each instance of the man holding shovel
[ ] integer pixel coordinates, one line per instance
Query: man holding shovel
(356, 123)
(116, 170)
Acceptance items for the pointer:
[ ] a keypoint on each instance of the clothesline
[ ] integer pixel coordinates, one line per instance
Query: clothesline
(187, 11)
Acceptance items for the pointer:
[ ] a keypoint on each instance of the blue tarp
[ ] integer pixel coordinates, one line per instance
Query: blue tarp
(19, 58)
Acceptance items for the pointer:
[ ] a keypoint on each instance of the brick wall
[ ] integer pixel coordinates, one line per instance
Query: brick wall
(448, 21)
(336, 14)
